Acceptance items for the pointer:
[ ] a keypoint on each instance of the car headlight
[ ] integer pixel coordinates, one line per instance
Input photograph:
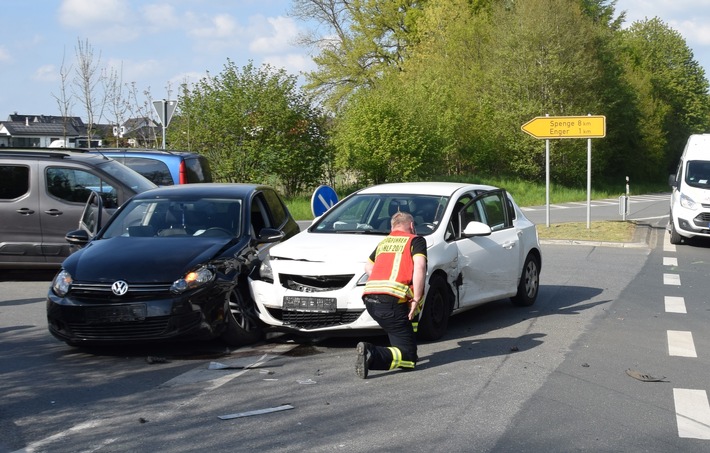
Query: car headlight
(193, 279)
(62, 283)
(265, 272)
(688, 202)
(363, 279)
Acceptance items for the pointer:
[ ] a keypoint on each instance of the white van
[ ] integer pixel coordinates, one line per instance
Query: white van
(690, 200)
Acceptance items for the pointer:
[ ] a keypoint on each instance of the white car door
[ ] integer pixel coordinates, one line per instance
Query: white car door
(488, 265)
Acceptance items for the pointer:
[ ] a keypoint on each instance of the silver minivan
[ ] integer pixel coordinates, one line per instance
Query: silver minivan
(42, 197)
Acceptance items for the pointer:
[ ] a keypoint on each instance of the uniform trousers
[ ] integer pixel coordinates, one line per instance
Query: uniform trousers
(392, 317)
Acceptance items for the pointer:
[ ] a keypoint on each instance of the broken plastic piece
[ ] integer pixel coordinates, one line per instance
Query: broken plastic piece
(644, 377)
(222, 366)
(152, 359)
(283, 407)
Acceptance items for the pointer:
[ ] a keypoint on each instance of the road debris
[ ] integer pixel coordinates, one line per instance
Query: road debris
(153, 359)
(644, 377)
(283, 407)
(222, 366)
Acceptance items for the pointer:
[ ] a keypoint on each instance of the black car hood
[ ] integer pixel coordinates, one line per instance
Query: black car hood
(136, 259)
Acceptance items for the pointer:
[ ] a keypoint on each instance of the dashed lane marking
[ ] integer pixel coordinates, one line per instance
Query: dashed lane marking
(670, 261)
(671, 279)
(680, 344)
(692, 413)
(667, 246)
(675, 304)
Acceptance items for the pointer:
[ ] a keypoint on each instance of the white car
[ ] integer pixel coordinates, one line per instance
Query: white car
(480, 248)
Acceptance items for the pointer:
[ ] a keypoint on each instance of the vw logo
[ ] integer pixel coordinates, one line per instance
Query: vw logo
(119, 288)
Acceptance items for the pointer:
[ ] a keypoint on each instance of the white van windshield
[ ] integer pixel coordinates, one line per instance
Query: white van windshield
(698, 173)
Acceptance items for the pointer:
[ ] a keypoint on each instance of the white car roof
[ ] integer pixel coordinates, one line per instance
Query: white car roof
(425, 188)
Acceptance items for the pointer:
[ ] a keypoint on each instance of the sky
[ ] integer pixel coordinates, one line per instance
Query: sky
(162, 43)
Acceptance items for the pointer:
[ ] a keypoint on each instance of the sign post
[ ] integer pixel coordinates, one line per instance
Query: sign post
(165, 110)
(553, 127)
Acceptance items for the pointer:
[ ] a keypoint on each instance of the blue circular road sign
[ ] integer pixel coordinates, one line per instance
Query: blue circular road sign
(324, 197)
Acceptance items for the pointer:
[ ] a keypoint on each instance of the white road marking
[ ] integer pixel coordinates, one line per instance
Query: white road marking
(670, 261)
(667, 246)
(692, 413)
(671, 279)
(675, 304)
(680, 344)
(31, 448)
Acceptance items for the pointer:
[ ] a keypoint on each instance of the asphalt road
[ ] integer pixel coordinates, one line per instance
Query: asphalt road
(551, 377)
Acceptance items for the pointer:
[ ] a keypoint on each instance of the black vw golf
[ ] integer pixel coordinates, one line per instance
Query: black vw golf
(171, 263)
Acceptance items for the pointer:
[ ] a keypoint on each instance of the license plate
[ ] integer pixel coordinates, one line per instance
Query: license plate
(119, 313)
(313, 304)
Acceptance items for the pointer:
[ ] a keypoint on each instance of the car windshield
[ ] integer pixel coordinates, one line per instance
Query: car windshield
(202, 217)
(371, 213)
(132, 178)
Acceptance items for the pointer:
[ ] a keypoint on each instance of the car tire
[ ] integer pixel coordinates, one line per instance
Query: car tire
(675, 238)
(529, 282)
(243, 325)
(435, 314)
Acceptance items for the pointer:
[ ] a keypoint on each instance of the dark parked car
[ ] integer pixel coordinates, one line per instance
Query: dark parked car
(172, 263)
(164, 168)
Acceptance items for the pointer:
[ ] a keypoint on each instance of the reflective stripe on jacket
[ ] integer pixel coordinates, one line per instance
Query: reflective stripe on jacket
(393, 268)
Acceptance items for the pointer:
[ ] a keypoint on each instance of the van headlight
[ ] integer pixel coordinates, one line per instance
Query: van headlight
(62, 283)
(193, 279)
(688, 202)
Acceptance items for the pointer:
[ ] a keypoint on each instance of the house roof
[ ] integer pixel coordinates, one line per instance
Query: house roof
(38, 129)
(75, 121)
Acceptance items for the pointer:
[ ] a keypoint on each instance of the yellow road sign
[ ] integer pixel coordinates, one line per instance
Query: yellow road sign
(593, 126)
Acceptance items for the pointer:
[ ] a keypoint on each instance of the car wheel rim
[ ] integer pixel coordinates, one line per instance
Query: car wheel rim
(239, 313)
(531, 278)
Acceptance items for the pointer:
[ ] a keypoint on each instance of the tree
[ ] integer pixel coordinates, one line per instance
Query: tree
(87, 79)
(117, 105)
(365, 39)
(382, 135)
(541, 60)
(671, 86)
(64, 99)
(254, 125)
(135, 109)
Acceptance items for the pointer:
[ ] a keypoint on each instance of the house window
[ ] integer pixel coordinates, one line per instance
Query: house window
(25, 142)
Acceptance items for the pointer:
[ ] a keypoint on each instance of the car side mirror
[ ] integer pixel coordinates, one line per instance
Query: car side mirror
(78, 237)
(476, 229)
(672, 182)
(270, 235)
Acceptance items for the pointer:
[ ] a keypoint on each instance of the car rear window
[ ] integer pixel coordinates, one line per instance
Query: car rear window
(198, 170)
(153, 169)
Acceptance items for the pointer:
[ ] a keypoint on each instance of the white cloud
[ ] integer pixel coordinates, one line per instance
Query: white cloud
(46, 73)
(160, 16)
(83, 13)
(278, 38)
(222, 26)
(189, 78)
(293, 63)
(695, 30)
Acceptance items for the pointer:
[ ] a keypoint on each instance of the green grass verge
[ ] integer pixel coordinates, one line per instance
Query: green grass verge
(604, 231)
